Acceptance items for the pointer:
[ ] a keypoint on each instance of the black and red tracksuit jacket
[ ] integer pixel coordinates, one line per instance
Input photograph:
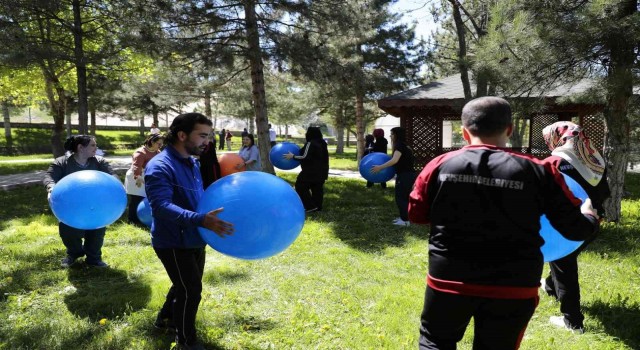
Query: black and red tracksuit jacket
(484, 205)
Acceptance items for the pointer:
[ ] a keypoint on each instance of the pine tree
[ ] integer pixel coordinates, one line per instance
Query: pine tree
(534, 45)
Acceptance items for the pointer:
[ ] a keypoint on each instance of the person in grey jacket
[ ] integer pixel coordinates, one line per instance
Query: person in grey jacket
(81, 155)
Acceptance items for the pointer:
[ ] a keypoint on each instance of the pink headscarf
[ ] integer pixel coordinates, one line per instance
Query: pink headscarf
(568, 141)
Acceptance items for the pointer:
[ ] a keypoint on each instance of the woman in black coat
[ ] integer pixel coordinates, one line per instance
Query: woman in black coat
(314, 161)
(379, 145)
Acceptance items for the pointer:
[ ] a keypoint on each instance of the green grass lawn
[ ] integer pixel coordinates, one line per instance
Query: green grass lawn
(17, 168)
(106, 139)
(346, 283)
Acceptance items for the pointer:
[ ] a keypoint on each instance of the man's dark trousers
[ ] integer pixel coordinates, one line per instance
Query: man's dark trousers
(185, 268)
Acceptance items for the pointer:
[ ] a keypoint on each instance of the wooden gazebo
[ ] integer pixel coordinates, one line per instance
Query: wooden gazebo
(424, 110)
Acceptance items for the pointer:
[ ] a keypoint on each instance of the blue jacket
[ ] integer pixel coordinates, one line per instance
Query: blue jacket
(174, 188)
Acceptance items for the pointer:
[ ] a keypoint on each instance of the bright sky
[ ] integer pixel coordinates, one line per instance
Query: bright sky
(418, 11)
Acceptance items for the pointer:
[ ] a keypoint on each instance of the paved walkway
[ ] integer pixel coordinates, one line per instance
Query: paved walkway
(120, 165)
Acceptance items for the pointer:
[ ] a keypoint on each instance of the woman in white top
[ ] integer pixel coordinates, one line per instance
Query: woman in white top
(134, 179)
(250, 154)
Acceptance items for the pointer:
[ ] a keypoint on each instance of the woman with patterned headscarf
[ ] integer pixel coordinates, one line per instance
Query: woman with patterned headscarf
(574, 155)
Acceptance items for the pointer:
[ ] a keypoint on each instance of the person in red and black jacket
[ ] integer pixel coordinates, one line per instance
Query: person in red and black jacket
(484, 204)
(574, 155)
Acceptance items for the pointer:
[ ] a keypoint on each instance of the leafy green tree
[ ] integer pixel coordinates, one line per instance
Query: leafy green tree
(251, 32)
(18, 87)
(62, 37)
(370, 55)
(35, 39)
(290, 101)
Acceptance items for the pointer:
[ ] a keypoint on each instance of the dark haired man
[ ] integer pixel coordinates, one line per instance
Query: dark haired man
(484, 204)
(174, 188)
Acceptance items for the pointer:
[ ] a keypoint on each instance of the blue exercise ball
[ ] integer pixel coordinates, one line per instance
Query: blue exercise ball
(555, 245)
(144, 212)
(279, 150)
(372, 159)
(88, 199)
(266, 212)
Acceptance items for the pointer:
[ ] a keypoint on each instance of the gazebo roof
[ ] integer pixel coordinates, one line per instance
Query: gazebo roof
(449, 92)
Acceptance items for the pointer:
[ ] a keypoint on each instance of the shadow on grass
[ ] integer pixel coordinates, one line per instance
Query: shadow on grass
(362, 217)
(27, 339)
(632, 186)
(616, 239)
(35, 269)
(345, 155)
(620, 321)
(104, 293)
(217, 277)
(23, 203)
(248, 324)
(30, 137)
(111, 140)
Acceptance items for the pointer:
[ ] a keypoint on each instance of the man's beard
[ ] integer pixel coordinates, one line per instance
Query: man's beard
(194, 150)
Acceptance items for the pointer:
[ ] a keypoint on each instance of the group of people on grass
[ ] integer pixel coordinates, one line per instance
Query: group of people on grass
(484, 247)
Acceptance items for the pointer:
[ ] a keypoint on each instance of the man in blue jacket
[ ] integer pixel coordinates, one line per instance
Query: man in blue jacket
(174, 187)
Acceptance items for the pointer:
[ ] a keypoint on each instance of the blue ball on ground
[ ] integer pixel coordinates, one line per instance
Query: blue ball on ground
(371, 160)
(144, 212)
(279, 150)
(555, 245)
(265, 210)
(88, 199)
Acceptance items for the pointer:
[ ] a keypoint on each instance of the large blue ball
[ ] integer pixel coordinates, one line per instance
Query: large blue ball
(266, 212)
(280, 149)
(555, 245)
(88, 199)
(372, 159)
(144, 212)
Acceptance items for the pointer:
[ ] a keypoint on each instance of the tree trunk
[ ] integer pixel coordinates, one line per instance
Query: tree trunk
(359, 127)
(207, 104)
(7, 127)
(155, 111)
(143, 127)
(482, 83)
(254, 53)
(67, 116)
(519, 127)
(340, 126)
(340, 140)
(92, 115)
(81, 69)
(57, 109)
(619, 83)
(462, 50)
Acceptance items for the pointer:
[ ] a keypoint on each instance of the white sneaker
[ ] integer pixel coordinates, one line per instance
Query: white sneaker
(543, 284)
(401, 222)
(396, 220)
(560, 322)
